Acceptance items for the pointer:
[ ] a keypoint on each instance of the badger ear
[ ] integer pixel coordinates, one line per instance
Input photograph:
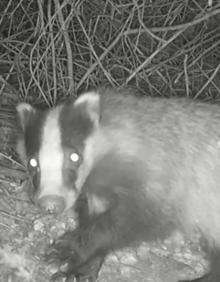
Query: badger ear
(89, 103)
(25, 111)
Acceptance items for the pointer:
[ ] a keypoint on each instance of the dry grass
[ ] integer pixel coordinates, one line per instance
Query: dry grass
(52, 49)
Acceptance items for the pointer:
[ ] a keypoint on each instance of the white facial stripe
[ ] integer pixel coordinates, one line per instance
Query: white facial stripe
(51, 155)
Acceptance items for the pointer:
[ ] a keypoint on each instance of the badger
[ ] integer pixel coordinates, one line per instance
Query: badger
(134, 169)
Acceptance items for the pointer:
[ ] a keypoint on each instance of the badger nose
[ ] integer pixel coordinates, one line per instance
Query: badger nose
(52, 204)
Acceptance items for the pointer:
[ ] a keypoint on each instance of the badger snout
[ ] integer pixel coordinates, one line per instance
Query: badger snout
(52, 204)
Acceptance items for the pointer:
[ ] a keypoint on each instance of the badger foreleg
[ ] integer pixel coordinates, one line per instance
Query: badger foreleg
(80, 253)
(70, 255)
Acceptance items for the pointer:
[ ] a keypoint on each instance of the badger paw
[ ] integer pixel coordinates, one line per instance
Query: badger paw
(71, 261)
(64, 251)
(85, 273)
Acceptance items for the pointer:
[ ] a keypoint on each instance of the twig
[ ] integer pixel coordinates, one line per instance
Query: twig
(202, 54)
(186, 75)
(4, 13)
(11, 160)
(53, 52)
(64, 29)
(17, 217)
(208, 81)
(182, 28)
(111, 46)
(93, 51)
(149, 59)
(176, 27)
(13, 173)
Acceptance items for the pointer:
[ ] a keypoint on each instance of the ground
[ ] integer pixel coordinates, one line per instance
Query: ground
(26, 233)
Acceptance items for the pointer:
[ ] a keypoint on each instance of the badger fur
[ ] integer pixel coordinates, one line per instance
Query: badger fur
(134, 169)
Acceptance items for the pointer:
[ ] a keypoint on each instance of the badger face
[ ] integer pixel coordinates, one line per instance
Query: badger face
(58, 145)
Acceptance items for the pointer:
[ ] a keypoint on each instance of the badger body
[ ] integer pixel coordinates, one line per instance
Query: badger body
(134, 169)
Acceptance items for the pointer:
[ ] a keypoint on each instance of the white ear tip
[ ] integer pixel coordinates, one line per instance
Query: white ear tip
(21, 107)
(91, 97)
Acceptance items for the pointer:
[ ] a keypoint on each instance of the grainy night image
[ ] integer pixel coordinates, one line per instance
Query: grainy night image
(109, 141)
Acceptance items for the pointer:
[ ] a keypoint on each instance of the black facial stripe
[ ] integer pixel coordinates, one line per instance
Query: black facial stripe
(33, 133)
(36, 180)
(69, 170)
(75, 126)
(69, 177)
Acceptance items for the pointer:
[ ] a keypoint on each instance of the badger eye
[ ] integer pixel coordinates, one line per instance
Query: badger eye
(33, 163)
(74, 157)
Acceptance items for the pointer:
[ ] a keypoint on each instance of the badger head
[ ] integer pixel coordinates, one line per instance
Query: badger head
(59, 147)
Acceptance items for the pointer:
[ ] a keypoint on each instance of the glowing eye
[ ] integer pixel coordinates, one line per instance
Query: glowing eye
(74, 157)
(33, 162)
